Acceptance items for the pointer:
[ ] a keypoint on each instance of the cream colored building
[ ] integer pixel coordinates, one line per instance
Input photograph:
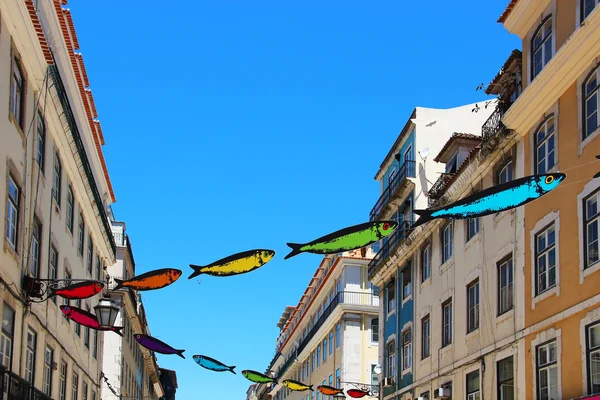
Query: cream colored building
(331, 336)
(56, 191)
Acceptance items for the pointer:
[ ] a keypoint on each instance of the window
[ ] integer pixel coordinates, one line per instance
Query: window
(95, 344)
(98, 268)
(590, 103)
(425, 395)
(48, 361)
(324, 350)
(30, 355)
(406, 282)
(452, 165)
(331, 343)
(541, 47)
(318, 355)
(375, 330)
(506, 384)
(77, 326)
(35, 251)
(472, 228)
(592, 229)
(338, 376)
(6, 336)
(425, 337)
(81, 235)
(545, 255)
(330, 383)
(70, 208)
(473, 385)
(12, 212)
(447, 236)
(94, 395)
(62, 384)
(53, 265)
(426, 263)
(86, 334)
(473, 306)
(545, 146)
(587, 6)
(84, 391)
(75, 387)
(505, 174)
(505, 286)
(338, 338)
(312, 364)
(391, 176)
(40, 154)
(391, 295)
(391, 357)
(374, 376)
(593, 358)
(17, 93)
(90, 255)
(547, 371)
(447, 323)
(406, 349)
(57, 182)
(66, 302)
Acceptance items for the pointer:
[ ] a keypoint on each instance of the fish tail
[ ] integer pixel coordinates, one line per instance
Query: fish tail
(231, 369)
(180, 353)
(119, 283)
(311, 388)
(197, 271)
(295, 250)
(117, 330)
(424, 216)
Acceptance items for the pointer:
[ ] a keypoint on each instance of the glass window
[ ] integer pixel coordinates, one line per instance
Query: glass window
(547, 372)
(447, 323)
(324, 350)
(593, 358)
(391, 357)
(473, 385)
(35, 252)
(57, 182)
(17, 89)
(6, 336)
(541, 47)
(75, 387)
(545, 254)
(472, 228)
(425, 337)
(318, 355)
(90, 255)
(506, 384)
(331, 343)
(426, 263)
(545, 146)
(375, 330)
(590, 103)
(506, 173)
(592, 228)
(406, 282)
(391, 296)
(81, 235)
(473, 306)
(587, 6)
(30, 355)
(62, 389)
(338, 338)
(40, 155)
(70, 208)
(505, 286)
(406, 349)
(447, 238)
(374, 376)
(12, 212)
(48, 361)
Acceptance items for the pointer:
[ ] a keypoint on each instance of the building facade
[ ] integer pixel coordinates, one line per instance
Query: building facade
(130, 370)
(56, 191)
(331, 336)
(556, 117)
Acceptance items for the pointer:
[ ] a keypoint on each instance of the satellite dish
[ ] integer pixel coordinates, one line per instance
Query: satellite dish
(377, 369)
(424, 153)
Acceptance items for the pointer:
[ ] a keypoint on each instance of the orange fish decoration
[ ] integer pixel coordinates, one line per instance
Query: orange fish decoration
(357, 394)
(329, 390)
(79, 290)
(151, 280)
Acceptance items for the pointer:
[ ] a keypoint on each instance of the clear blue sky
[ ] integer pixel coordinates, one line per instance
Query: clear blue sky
(233, 125)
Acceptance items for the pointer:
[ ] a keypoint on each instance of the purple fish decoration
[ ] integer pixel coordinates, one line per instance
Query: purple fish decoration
(156, 345)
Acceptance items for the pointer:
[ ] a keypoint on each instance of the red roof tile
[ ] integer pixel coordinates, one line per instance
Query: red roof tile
(507, 11)
(39, 32)
(456, 135)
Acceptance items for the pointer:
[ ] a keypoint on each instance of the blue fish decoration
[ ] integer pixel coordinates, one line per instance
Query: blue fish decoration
(498, 198)
(212, 364)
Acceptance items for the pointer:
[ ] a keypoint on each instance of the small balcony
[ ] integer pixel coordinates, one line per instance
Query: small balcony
(438, 188)
(13, 387)
(493, 126)
(395, 239)
(395, 190)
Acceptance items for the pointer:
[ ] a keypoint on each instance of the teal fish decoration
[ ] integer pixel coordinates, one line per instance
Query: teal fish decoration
(212, 364)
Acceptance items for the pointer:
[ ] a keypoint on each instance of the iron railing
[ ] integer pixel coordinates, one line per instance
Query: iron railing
(390, 246)
(493, 125)
(13, 387)
(120, 238)
(438, 188)
(406, 171)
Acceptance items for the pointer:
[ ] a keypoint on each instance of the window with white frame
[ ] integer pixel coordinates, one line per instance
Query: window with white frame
(66, 301)
(374, 330)
(590, 103)
(545, 256)
(425, 337)
(447, 239)
(86, 333)
(331, 343)
(391, 176)
(7, 335)
(57, 182)
(98, 268)
(62, 384)
(447, 323)
(473, 390)
(70, 208)
(505, 174)
(547, 371)
(77, 326)
(30, 355)
(374, 376)
(35, 251)
(426, 262)
(90, 255)
(324, 350)
(472, 228)
(75, 387)
(545, 146)
(406, 282)
(592, 228)
(473, 306)
(40, 154)
(17, 92)
(541, 47)
(406, 349)
(587, 6)
(12, 212)
(80, 243)
(84, 391)
(593, 358)
(48, 361)
(391, 358)
(506, 383)
(505, 285)
(391, 296)
(53, 266)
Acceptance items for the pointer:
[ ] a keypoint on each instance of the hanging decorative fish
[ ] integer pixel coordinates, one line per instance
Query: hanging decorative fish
(257, 377)
(296, 386)
(498, 198)
(329, 390)
(347, 239)
(85, 318)
(236, 264)
(212, 364)
(151, 280)
(357, 394)
(79, 290)
(156, 345)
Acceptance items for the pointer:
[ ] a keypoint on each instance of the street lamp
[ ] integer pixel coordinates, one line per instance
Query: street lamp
(106, 312)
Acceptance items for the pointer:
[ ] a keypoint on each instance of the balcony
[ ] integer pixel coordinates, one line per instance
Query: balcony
(395, 189)
(395, 239)
(13, 387)
(345, 297)
(438, 188)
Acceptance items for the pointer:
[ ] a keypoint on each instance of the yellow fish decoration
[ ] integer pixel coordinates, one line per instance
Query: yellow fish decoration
(296, 386)
(236, 264)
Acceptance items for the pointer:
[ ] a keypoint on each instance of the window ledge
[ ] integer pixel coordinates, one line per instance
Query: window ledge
(447, 265)
(473, 334)
(500, 216)
(472, 241)
(13, 120)
(426, 283)
(447, 349)
(588, 140)
(389, 314)
(555, 291)
(405, 300)
(406, 371)
(507, 315)
(10, 250)
(589, 271)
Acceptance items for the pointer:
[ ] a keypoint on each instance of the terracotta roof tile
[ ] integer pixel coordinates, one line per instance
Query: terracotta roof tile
(456, 135)
(39, 32)
(507, 10)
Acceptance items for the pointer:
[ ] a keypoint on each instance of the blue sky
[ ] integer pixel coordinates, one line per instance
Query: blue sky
(236, 125)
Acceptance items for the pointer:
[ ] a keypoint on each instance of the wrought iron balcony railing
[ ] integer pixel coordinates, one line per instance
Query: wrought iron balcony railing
(493, 125)
(13, 387)
(438, 188)
(408, 170)
(390, 246)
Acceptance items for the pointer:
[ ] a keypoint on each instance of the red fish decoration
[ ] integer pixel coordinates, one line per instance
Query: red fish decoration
(85, 318)
(357, 394)
(79, 291)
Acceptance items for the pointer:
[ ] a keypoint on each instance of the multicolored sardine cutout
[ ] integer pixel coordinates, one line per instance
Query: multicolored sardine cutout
(357, 394)
(498, 198)
(235, 264)
(79, 290)
(257, 377)
(212, 364)
(85, 318)
(329, 390)
(296, 386)
(151, 280)
(156, 345)
(347, 239)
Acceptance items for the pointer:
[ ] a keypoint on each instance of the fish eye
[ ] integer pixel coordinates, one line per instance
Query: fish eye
(99, 285)
(549, 179)
(386, 226)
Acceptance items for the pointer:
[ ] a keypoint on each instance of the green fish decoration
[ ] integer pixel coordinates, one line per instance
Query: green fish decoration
(347, 239)
(257, 377)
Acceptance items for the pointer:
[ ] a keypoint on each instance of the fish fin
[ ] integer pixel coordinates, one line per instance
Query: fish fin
(197, 271)
(295, 250)
(119, 283)
(311, 388)
(117, 330)
(231, 369)
(597, 175)
(180, 353)
(424, 216)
